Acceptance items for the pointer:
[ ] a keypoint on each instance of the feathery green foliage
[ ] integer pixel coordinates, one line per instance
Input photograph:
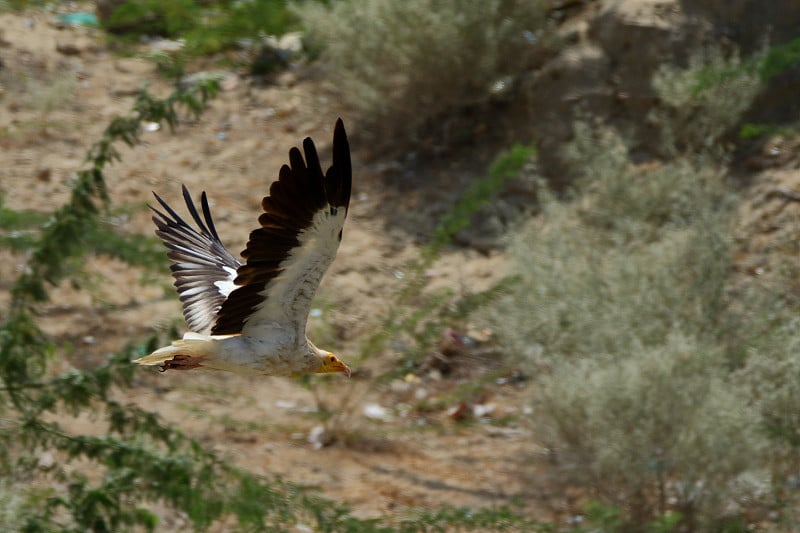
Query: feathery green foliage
(506, 166)
(705, 101)
(206, 27)
(777, 60)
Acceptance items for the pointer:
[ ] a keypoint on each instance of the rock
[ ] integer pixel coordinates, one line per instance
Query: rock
(68, 49)
(748, 22)
(221, 76)
(319, 437)
(377, 412)
(43, 174)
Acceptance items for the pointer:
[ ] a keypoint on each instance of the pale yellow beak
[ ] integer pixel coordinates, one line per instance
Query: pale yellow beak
(331, 363)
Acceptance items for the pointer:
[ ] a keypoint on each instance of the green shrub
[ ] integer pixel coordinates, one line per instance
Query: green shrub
(643, 252)
(770, 378)
(222, 27)
(409, 68)
(206, 27)
(654, 431)
(705, 100)
(625, 309)
(153, 17)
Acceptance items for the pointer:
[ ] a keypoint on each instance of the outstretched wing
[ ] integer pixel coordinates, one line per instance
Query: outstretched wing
(201, 265)
(286, 257)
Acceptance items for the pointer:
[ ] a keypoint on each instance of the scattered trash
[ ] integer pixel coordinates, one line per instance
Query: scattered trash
(45, 461)
(319, 437)
(151, 126)
(399, 386)
(315, 313)
(80, 18)
(466, 411)
(483, 409)
(501, 86)
(514, 378)
(530, 37)
(88, 339)
(435, 375)
(285, 404)
(399, 275)
(43, 173)
(377, 412)
(454, 341)
(227, 80)
(166, 45)
(221, 136)
(460, 412)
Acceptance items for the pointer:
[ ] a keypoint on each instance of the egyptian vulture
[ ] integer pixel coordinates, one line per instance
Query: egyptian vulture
(251, 318)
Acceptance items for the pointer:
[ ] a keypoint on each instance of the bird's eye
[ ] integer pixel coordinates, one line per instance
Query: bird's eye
(331, 358)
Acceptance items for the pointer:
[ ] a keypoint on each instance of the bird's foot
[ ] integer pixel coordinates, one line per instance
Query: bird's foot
(182, 362)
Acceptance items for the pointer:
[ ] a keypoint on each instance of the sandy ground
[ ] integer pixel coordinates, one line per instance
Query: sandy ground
(395, 445)
(60, 88)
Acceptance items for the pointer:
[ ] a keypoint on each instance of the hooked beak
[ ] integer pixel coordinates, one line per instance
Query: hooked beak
(331, 363)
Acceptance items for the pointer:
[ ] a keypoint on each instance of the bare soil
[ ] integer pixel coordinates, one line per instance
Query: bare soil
(423, 439)
(60, 88)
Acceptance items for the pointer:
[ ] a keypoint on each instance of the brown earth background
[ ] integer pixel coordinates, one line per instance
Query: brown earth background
(61, 86)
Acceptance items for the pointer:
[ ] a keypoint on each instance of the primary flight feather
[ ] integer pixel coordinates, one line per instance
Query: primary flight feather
(251, 317)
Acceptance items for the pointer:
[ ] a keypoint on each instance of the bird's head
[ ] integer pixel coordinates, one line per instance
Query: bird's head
(331, 363)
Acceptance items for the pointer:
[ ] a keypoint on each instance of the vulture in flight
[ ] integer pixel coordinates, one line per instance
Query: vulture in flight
(250, 317)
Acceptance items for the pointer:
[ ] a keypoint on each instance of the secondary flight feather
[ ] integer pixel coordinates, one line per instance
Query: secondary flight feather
(250, 317)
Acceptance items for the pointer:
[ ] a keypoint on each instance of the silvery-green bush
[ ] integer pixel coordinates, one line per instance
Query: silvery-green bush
(660, 385)
(407, 68)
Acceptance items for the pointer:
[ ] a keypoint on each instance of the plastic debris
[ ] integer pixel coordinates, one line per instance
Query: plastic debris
(376, 412)
(319, 437)
(80, 18)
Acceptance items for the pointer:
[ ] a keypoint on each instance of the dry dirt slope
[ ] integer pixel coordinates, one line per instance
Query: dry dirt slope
(54, 104)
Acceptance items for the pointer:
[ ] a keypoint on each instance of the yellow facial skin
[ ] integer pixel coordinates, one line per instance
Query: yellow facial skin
(331, 363)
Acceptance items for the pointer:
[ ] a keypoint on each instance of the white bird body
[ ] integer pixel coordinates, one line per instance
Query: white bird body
(277, 355)
(251, 318)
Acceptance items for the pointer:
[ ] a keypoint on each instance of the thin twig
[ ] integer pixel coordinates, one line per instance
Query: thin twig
(785, 193)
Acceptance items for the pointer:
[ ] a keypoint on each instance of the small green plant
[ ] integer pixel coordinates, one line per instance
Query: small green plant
(205, 27)
(151, 17)
(706, 100)
(505, 167)
(777, 60)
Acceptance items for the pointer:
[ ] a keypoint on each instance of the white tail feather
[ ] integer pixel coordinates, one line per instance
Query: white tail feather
(191, 346)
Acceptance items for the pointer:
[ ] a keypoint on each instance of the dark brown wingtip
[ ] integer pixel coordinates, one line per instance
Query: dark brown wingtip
(339, 178)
